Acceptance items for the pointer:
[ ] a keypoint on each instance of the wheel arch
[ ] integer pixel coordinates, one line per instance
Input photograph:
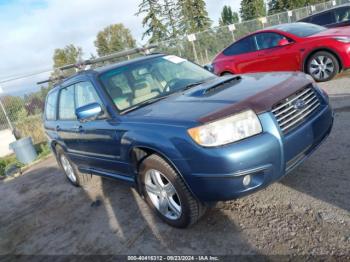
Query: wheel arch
(138, 153)
(324, 49)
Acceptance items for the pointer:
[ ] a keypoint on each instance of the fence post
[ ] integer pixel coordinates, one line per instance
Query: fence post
(289, 14)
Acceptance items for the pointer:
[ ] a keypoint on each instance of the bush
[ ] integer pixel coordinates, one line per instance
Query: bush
(7, 162)
(32, 126)
(42, 149)
(2, 167)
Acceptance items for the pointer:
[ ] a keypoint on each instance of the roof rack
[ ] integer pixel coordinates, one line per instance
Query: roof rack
(82, 64)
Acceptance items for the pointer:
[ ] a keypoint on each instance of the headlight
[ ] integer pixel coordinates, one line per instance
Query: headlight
(227, 130)
(343, 39)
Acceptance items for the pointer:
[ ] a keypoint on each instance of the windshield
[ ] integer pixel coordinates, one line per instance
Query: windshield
(132, 85)
(301, 29)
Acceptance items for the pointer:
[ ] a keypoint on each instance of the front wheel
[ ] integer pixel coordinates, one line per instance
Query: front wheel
(167, 194)
(323, 66)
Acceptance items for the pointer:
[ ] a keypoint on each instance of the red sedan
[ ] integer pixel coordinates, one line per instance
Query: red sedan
(309, 48)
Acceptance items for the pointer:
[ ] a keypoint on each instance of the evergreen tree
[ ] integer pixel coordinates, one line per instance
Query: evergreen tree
(228, 17)
(114, 38)
(171, 13)
(152, 21)
(252, 9)
(194, 16)
(277, 6)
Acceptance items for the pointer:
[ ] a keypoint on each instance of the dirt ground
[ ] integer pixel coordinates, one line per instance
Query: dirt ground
(308, 212)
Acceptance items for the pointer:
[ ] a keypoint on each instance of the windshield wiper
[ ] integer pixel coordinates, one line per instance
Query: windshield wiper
(193, 85)
(145, 103)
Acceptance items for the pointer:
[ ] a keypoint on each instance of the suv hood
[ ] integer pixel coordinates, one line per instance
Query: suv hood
(224, 96)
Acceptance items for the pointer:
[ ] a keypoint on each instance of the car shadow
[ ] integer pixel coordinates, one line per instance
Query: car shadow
(325, 175)
(145, 233)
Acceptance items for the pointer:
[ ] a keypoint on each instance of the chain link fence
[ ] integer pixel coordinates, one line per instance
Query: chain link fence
(23, 112)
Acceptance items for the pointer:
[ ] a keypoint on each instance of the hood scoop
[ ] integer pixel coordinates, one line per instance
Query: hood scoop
(222, 85)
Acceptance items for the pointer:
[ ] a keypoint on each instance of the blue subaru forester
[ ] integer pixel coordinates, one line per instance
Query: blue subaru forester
(182, 136)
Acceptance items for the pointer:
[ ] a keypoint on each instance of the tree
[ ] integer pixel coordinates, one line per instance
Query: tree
(277, 6)
(193, 16)
(114, 38)
(13, 105)
(152, 21)
(70, 54)
(170, 13)
(228, 17)
(251, 9)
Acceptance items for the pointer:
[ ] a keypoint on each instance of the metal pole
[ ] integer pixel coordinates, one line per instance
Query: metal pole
(233, 36)
(206, 55)
(5, 113)
(194, 52)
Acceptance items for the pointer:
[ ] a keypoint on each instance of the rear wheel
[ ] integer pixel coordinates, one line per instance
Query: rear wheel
(167, 194)
(71, 171)
(323, 66)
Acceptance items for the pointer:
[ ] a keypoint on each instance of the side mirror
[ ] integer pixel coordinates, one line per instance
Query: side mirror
(209, 67)
(89, 112)
(283, 42)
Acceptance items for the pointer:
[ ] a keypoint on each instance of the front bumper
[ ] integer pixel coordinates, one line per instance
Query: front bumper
(266, 158)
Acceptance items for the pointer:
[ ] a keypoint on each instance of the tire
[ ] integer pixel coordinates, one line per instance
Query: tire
(322, 66)
(167, 194)
(74, 176)
(226, 74)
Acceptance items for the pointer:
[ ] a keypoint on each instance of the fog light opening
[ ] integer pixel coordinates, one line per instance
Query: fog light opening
(246, 180)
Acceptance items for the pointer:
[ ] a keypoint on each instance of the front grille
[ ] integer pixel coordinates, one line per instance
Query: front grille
(293, 110)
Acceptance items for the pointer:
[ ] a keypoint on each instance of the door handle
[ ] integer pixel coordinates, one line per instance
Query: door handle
(79, 129)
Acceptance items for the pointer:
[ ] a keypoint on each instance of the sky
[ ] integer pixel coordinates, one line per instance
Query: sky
(32, 29)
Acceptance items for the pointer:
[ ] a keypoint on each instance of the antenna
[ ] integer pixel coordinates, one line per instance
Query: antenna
(82, 64)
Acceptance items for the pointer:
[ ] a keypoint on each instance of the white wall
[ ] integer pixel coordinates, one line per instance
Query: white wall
(6, 137)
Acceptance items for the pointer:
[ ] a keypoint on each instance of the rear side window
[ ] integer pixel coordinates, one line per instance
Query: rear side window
(323, 19)
(51, 105)
(66, 104)
(85, 93)
(245, 45)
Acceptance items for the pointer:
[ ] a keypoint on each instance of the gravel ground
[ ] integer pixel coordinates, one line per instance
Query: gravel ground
(308, 212)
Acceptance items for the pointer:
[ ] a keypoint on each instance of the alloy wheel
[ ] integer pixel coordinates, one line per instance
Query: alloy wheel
(321, 67)
(163, 194)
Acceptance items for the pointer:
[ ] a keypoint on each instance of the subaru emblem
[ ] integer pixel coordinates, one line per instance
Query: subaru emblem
(299, 104)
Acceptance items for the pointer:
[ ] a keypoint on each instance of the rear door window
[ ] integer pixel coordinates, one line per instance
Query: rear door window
(243, 46)
(51, 105)
(66, 109)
